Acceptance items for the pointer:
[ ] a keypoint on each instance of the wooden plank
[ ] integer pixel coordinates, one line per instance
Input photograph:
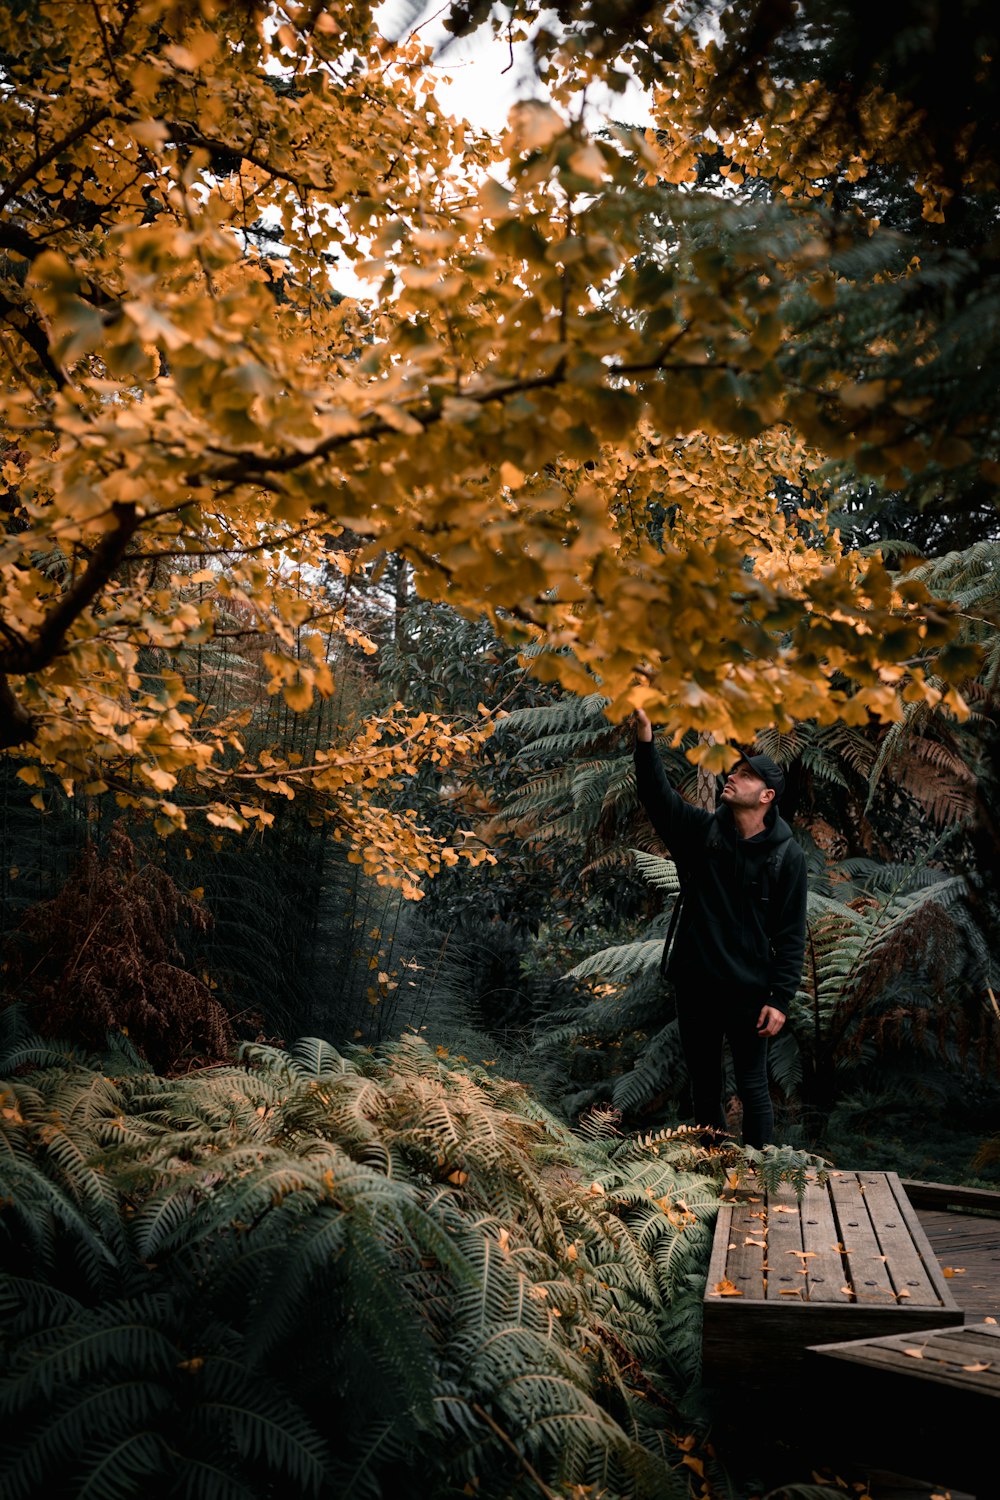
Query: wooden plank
(978, 1337)
(786, 1280)
(720, 1242)
(958, 1347)
(761, 1336)
(921, 1244)
(965, 1358)
(764, 1344)
(969, 1246)
(903, 1261)
(940, 1194)
(918, 1427)
(825, 1266)
(747, 1247)
(895, 1363)
(867, 1272)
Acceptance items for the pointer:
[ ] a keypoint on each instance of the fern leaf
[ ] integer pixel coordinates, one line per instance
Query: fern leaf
(112, 1473)
(661, 873)
(620, 962)
(262, 1424)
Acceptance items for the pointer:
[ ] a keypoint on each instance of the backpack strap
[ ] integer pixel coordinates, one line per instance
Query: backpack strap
(713, 840)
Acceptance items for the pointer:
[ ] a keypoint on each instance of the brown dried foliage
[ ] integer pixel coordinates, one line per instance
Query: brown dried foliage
(103, 956)
(925, 944)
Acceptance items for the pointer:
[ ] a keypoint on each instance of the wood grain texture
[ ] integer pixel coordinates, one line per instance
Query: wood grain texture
(849, 1261)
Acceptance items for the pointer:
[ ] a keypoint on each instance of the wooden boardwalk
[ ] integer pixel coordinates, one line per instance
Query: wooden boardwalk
(877, 1415)
(947, 1381)
(965, 1239)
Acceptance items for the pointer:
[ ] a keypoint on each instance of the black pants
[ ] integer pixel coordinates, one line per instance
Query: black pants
(705, 1021)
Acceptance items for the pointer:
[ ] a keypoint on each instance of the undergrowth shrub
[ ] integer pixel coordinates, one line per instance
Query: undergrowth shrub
(336, 1275)
(104, 955)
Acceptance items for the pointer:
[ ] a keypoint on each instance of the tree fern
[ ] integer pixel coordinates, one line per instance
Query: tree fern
(876, 969)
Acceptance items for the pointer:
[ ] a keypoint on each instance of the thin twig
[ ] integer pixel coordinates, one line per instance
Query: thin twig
(526, 1466)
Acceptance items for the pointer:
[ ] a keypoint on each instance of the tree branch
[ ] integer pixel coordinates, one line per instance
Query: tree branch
(17, 727)
(20, 320)
(57, 148)
(50, 638)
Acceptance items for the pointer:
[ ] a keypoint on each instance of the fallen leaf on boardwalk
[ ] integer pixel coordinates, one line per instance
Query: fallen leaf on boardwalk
(762, 1244)
(782, 1208)
(792, 1291)
(731, 1245)
(914, 1353)
(903, 1293)
(848, 1291)
(803, 1254)
(989, 1320)
(952, 1270)
(725, 1288)
(977, 1368)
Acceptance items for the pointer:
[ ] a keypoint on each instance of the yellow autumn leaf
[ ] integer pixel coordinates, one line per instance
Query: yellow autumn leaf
(298, 695)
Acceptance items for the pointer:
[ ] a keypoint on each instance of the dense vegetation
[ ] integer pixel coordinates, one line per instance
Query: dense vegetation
(344, 1140)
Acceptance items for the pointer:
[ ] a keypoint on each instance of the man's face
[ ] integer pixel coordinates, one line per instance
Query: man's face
(744, 788)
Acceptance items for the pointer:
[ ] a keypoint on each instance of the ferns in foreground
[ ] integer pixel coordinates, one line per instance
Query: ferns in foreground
(334, 1275)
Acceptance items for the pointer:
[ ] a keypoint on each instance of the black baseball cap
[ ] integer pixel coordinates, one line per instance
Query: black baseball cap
(768, 770)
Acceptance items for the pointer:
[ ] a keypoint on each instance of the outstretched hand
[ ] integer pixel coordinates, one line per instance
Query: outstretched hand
(643, 728)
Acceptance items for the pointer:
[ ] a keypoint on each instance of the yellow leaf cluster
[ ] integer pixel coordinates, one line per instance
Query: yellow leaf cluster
(203, 439)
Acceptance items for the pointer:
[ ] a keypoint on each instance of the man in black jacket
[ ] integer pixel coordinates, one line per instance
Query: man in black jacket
(736, 958)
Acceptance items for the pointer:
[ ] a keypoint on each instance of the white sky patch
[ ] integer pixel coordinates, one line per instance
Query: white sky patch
(480, 77)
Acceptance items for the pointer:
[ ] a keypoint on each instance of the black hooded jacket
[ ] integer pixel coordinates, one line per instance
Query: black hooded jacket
(739, 932)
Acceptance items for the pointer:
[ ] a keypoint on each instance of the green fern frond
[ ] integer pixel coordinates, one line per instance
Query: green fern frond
(660, 1065)
(316, 1058)
(97, 1342)
(661, 873)
(118, 1407)
(433, 1215)
(777, 1165)
(115, 1470)
(620, 962)
(262, 1425)
(197, 1478)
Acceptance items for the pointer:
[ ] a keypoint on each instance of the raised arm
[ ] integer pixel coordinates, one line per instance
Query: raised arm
(680, 826)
